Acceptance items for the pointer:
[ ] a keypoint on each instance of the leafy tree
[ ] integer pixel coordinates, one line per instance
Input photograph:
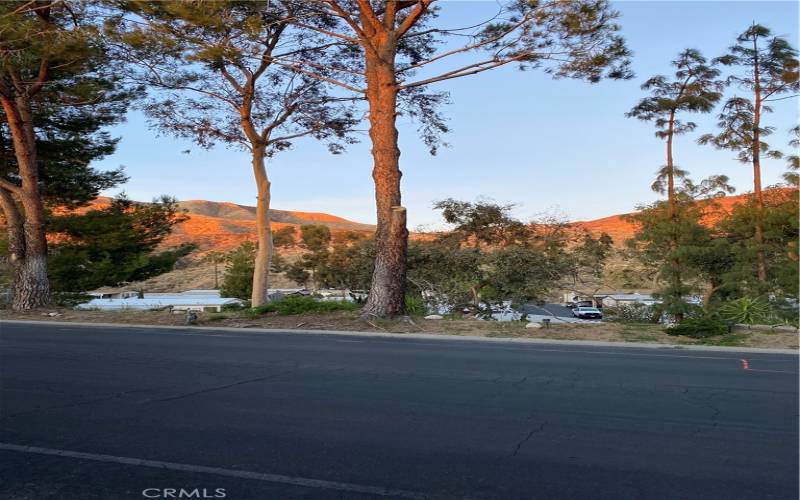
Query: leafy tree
(448, 274)
(239, 264)
(482, 222)
(592, 252)
(673, 239)
(113, 245)
(387, 42)
(768, 68)
(793, 160)
(349, 265)
(212, 68)
(779, 221)
(666, 239)
(58, 87)
(348, 237)
(315, 238)
(284, 237)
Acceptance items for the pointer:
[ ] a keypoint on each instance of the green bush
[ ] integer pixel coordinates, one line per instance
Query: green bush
(415, 306)
(632, 313)
(699, 328)
(747, 311)
(235, 306)
(300, 305)
(269, 307)
(68, 299)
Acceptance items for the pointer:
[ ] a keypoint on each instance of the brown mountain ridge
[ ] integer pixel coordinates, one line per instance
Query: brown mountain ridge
(222, 226)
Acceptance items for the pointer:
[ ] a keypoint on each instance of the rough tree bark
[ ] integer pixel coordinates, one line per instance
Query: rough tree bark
(387, 291)
(31, 287)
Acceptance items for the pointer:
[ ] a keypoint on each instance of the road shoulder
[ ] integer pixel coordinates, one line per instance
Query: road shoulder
(418, 336)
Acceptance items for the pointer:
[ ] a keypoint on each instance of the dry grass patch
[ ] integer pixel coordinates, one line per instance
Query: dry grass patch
(350, 321)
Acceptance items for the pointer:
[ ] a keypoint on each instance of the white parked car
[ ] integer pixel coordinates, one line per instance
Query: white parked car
(587, 313)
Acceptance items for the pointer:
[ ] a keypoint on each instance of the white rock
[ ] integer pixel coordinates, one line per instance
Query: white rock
(434, 316)
(533, 325)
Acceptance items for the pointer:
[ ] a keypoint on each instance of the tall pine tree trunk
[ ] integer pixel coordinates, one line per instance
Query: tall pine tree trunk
(761, 260)
(387, 291)
(31, 285)
(263, 230)
(677, 279)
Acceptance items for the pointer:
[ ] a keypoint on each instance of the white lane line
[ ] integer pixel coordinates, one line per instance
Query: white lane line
(258, 476)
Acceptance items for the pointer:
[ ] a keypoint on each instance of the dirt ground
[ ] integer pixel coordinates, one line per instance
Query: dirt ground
(349, 321)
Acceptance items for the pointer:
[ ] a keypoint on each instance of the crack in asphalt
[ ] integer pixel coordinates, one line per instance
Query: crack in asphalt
(217, 388)
(705, 401)
(524, 440)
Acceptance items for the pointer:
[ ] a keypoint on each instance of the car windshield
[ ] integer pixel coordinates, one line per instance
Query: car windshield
(588, 309)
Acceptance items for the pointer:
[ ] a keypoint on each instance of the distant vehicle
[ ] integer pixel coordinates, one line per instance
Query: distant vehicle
(580, 303)
(587, 313)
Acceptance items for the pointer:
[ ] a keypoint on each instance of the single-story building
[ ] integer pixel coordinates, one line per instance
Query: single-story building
(175, 302)
(619, 299)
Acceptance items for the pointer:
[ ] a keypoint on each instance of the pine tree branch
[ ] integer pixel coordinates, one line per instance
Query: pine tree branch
(41, 77)
(340, 12)
(300, 69)
(781, 98)
(465, 71)
(234, 83)
(413, 17)
(10, 187)
(466, 48)
(369, 14)
(326, 32)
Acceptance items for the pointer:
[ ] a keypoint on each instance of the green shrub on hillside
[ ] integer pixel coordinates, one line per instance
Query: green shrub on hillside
(699, 327)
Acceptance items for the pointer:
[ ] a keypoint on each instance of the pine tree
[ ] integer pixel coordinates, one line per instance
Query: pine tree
(672, 239)
(386, 43)
(694, 89)
(768, 68)
(114, 244)
(57, 88)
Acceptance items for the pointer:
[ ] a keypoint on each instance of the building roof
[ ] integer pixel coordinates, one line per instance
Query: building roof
(157, 302)
(630, 296)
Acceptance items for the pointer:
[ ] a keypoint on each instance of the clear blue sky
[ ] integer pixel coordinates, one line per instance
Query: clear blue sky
(551, 146)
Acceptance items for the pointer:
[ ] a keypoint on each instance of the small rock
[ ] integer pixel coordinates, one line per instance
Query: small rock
(533, 325)
(52, 314)
(434, 316)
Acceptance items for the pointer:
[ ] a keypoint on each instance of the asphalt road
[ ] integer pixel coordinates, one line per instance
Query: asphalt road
(107, 413)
